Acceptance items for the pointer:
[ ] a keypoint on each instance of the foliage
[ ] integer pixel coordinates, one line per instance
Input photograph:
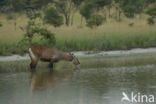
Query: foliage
(131, 7)
(47, 36)
(90, 7)
(151, 21)
(151, 11)
(21, 5)
(35, 29)
(1, 24)
(78, 2)
(100, 3)
(95, 20)
(150, 2)
(87, 10)
(11, 16)
(66, 8)
(53, 17)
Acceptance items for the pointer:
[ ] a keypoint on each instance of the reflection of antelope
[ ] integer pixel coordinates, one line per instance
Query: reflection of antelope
(40, 81)
(51, 55)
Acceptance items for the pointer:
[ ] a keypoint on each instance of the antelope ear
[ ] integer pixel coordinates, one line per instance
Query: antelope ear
(71, 53)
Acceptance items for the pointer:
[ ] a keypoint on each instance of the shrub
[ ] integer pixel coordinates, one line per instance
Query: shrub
(53, 17)
(151, 11)
(87, 10)
(33, 29)
(1, 24)
(95, 20)
(10, 16)
(131, 24)
(151, 21)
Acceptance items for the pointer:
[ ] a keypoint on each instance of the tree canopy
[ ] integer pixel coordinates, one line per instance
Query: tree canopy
(65, 9)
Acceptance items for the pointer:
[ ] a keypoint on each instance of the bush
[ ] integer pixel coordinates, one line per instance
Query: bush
(10, 16)
(87, 10)
(53, 17)
(33, 29)
(131, 24)
(95, 20)
(151, 21)
(1, 24)
(151, 11)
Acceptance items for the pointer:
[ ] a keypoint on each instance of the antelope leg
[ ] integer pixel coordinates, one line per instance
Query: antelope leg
(33, 65)
(51, 65)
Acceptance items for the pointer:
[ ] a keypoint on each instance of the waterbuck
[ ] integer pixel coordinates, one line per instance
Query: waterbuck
(51, 55)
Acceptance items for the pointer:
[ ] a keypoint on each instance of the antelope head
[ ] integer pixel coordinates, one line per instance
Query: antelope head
(75, 61)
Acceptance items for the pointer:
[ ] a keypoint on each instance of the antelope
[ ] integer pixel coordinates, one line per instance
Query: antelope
(51, 55)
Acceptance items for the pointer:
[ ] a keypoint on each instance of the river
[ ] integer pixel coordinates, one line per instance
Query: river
(92, 85)
(87, 86)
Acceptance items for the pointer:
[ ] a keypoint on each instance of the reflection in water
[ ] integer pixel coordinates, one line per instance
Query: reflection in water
(89, 86)
(48, 79)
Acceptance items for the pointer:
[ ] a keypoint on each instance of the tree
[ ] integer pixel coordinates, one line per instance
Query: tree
(95, 20)
(3, 2)
(131, 7)
(150, 2)
(4, 6)
(86, 10)
(21, 5)
(34, 28)
(151, 11)
(66, 8)
(1, 24)
(91, 7)
(53, 17)
(90, 10)
(78, 3)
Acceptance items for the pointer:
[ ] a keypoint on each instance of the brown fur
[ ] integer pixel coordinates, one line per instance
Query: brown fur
(47, 54)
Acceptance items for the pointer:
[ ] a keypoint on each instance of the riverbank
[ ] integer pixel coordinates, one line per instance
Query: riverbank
(90, 59)
(136, 51)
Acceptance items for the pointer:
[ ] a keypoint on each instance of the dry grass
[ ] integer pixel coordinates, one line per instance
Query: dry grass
(111, 35)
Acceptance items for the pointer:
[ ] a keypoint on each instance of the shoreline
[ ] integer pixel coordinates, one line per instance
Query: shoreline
(136, 51)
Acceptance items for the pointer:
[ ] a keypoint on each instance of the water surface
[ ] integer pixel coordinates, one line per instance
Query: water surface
(87, 86)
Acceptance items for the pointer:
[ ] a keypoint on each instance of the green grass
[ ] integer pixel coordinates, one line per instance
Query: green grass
(111, 41)
(109, 36)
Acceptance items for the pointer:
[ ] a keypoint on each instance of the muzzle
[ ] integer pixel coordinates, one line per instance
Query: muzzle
(76, 63)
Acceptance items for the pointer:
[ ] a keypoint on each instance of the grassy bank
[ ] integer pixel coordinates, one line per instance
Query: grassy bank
(109, 36)
(108, 41)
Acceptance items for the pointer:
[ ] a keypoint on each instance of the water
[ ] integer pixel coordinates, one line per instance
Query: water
(87, 86)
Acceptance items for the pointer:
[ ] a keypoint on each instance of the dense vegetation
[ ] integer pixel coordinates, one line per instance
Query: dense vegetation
(43, 17)
(66, 9)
